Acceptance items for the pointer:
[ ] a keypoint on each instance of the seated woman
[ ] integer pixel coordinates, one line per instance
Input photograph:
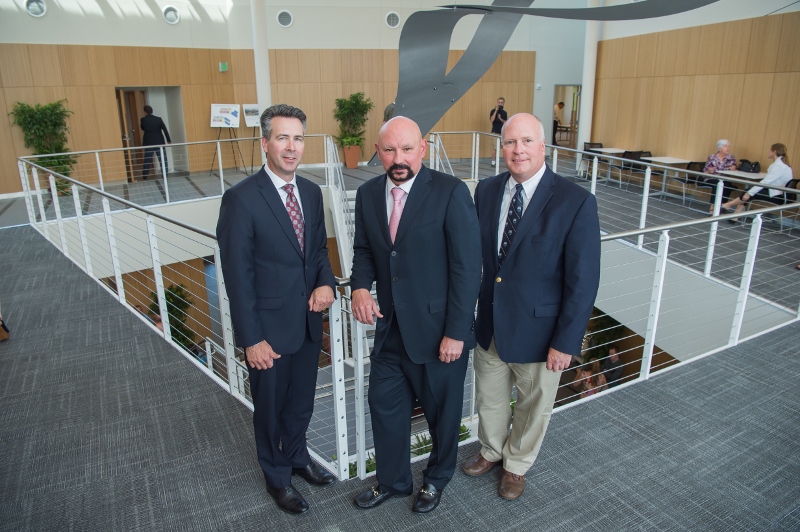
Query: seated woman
(594, 380)
(779, 173)
(722, 160)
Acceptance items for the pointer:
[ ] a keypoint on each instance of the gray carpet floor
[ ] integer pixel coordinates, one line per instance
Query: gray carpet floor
(103, 426)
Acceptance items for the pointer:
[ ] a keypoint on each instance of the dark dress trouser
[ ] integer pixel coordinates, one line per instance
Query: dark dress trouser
(394, 382)
(148, 159)
(283, 400)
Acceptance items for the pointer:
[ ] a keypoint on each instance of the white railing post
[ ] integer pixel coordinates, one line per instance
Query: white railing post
(655, 305)
(431, 152)
(112, 246)
(643, 213)
(712, 234)
(747, 276)
(477, 156)
(594, 175)
(26, 190)
(59, 221)
(100, 170)
(360, 347)
(555, 160)
(159, 278)
(219, 161)
(164, 173)
(87, 261)
(497, 154)
(339, 402)
(228, 339)
(474, 173)
(41, 203)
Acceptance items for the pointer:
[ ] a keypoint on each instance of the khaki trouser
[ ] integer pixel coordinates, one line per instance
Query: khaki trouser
(536, 392)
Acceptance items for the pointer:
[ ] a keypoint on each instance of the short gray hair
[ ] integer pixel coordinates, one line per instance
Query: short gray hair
(722, 142)
(539, 129)
(281, 110)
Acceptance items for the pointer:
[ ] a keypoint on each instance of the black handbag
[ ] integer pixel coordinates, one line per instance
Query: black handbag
(751, 167)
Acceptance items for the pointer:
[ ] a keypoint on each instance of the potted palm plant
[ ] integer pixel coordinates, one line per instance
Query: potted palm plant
(44, 128)
(351, 113)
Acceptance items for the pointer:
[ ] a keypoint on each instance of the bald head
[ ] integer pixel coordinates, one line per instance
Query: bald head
(401, 148)
(522, 139)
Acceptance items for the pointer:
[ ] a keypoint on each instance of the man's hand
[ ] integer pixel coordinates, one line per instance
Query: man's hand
(450, 350)
(261, 355)
(321, 298)
(557, 361)
(364, 306)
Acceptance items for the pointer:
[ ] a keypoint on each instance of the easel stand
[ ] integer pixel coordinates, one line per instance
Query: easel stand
(231, 136)
(253, 152)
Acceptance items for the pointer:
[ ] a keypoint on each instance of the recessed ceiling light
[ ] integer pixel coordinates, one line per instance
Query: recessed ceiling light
(392, 19)
(285, 19)
(172, 15)
(36, 8)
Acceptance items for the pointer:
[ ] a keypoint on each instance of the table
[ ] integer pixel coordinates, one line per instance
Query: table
(666, 161)
(608, 151)
(744, 175)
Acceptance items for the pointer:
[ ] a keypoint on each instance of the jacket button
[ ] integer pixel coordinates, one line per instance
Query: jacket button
(302, 293)
(394, 253)
(499, 280)
(394, 279)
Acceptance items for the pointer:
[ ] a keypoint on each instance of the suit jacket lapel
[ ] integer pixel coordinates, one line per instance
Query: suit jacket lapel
(496, 202)
(413, 202)
(270, 194)
(540, 198)
(379, 201)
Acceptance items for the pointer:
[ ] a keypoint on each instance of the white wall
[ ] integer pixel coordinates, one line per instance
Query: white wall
(721, 11)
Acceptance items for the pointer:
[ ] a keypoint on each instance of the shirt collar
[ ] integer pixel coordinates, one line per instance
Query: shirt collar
(406, 187)
(529, 186)
(277, 181)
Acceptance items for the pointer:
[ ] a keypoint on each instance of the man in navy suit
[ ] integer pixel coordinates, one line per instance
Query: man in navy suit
(152, 126)
(273, 246)
(540, 238)
(417, 236)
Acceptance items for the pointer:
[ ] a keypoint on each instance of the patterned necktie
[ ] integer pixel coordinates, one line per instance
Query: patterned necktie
(512, 222)
(397, 211)
(295, 215)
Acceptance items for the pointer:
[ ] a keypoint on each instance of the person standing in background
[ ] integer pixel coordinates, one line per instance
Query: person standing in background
(497, 117)
(152, 127)
(558, 119)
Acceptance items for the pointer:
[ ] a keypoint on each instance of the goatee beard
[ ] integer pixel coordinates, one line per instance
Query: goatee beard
(395, 167)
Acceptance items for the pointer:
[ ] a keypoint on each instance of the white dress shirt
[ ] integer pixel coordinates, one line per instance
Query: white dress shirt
(528, 188)
(390, 198)
(278, 182)
(779, 173)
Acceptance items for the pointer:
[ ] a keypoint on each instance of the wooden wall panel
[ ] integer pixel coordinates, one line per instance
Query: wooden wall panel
(735, 44)
(765, 37)
(128, 64)
(709, 49)
(215, 58)
(101, 65)
(390, 65)
(754, 111)
(330, 66)
(154, 67)
(788, 59)
(9, 180)
(45, 65)
(15, 66)
(199, 67)
(694, 86)
(687, 51)
(178, 72)
(243, 67)
(74, 65)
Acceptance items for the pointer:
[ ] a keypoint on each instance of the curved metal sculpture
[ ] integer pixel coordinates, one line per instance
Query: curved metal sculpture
(426, 91)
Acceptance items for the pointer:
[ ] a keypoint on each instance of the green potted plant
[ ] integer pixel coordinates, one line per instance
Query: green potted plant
(351, 113)
(178, 303)
(44, 128)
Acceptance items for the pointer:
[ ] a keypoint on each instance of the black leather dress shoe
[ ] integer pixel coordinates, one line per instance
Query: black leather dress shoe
(372, 498)
(314, 474)
(288, 499)
(427, 499)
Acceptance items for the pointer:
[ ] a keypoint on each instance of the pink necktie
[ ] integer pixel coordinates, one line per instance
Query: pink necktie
(295, 214)
(397, 211)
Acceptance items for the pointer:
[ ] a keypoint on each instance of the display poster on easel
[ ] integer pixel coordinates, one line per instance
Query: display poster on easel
(251, 114)
(225, 115)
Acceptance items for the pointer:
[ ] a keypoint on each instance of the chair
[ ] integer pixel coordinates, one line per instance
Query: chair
(783, 199)
(627, 164)
(640, 169)
(690, 180)
(587, 147)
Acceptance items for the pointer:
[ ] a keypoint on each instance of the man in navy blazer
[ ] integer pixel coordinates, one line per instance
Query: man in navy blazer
(417, 236)
(152, 126)
(273, 246)
(540, 238)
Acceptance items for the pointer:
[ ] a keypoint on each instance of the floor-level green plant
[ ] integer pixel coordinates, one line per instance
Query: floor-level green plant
(178, 302)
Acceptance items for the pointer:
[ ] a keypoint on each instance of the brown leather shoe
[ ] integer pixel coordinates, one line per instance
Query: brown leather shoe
(478, 465)
(511, 485)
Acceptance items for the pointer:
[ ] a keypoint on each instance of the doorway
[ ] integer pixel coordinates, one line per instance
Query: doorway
(566, 132)
(130, 105)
